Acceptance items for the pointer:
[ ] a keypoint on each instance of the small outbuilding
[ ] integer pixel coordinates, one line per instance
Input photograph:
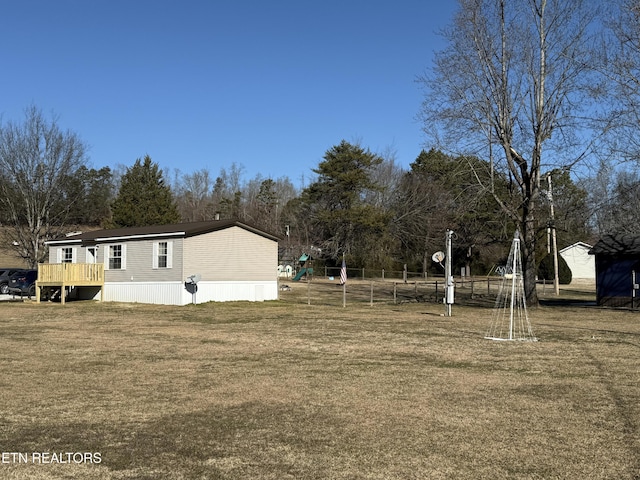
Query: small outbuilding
(582, 265)
(222, 260)
(617, 262)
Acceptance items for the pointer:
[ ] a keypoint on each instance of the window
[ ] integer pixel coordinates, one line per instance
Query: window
(66, 255)
(116, 257)
(162, 254)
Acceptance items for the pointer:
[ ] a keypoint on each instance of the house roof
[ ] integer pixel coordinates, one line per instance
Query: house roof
(617, 245)
(582, 245)
(158, 231)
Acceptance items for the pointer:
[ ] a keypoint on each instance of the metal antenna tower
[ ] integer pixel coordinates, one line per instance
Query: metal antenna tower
(510, 320)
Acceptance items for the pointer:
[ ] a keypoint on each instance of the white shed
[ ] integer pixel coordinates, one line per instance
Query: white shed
(582, 265)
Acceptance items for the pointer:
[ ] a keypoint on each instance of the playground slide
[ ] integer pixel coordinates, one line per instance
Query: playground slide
(302, 272)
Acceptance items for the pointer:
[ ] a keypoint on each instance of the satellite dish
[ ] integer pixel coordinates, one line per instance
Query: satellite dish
(191, 285)
(437, 257)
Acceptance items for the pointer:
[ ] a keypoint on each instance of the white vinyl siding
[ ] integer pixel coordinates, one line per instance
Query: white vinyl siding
(582, 265)
(174, 293)
(162, 255)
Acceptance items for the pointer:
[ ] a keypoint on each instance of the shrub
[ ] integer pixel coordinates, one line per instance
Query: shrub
(545, 270)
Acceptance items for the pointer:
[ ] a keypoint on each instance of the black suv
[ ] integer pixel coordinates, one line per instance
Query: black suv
(23, 283)
(5, 276)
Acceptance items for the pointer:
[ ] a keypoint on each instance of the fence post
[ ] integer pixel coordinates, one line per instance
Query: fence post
(371, 301)
(395, 293)
(436, 291)
(383, 273)
(344, 295)
(488, 287)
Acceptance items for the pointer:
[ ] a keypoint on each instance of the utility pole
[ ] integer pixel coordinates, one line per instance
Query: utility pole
(556, 278)
(449, 282)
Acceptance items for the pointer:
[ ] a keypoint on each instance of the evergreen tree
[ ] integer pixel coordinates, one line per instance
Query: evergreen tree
(88, 194)
(144, 198)
(334, 204)
(546, 270)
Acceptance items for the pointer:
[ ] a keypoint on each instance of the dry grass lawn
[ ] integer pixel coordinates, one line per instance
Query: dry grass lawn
(283, 389)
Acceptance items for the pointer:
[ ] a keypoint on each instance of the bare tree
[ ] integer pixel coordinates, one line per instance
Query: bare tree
(36, 158)
(516, 75)
(227, 192)
(615, 199)
(441, 192)
(622, 65)
(194, 196)
(418, 221)
(387, 175)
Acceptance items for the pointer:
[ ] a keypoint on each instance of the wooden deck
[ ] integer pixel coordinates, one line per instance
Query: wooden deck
(70, 275)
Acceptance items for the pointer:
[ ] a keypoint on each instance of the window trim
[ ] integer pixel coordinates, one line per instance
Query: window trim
(156, 255)
(62, 257)
(108, 257)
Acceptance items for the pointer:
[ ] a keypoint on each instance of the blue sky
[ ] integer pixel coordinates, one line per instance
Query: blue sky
(199, 84)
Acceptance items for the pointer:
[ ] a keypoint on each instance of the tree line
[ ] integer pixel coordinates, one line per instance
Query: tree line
(360, 205)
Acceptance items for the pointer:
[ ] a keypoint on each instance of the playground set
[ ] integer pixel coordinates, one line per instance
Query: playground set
(306, 268)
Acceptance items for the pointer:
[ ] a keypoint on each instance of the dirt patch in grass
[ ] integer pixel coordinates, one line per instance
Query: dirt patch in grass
(283, 389)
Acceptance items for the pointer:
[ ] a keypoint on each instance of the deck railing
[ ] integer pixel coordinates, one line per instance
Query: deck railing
(71, 273)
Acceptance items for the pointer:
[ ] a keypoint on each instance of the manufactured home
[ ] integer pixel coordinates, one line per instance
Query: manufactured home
(222, 260)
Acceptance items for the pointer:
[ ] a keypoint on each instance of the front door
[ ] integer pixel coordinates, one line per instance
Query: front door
(91, 254)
